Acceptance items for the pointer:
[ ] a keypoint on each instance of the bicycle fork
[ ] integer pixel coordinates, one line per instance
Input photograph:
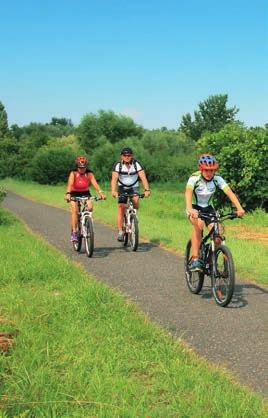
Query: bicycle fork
(128, 216)
(84, 217)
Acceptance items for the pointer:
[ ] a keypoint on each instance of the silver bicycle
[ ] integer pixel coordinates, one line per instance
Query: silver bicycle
(85, 227)
(130, 222)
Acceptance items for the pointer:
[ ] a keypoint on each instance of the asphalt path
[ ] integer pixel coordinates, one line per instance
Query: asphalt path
(235, 337)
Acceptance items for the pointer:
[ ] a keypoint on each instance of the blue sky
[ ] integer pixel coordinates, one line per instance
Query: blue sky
(152, 60)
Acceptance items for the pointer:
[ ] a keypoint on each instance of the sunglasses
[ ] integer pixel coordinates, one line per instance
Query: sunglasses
(127, 155)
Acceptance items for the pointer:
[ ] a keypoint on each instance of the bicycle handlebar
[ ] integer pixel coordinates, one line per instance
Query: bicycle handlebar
(217, 216)
(126, 194)
(86, 198)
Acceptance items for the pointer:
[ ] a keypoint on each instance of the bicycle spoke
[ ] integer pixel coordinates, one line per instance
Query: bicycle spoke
(223, 282)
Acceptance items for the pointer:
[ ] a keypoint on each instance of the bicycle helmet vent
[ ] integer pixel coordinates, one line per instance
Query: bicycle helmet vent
(81, 162)
(207, 161)
(126, 151)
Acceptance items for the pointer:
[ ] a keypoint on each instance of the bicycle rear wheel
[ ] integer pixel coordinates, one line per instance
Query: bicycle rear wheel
(89, 236)
(223, 282)
(134, 233)
(194, 279)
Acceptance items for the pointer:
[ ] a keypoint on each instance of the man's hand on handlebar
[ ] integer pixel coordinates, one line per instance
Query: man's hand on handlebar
(102, 195)
(240, 213)
(193, 213)
(115, 194)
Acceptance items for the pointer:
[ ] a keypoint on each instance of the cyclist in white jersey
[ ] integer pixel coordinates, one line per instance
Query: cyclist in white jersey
(125, 179)
(201, 186)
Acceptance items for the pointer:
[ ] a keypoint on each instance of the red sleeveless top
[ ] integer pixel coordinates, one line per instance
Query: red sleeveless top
(81, 182)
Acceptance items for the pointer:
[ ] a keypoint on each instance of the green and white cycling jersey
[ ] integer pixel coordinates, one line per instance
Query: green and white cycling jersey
(203, 190)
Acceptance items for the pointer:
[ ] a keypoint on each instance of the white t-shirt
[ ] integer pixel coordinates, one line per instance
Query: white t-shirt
(203, 190)
(128, 175)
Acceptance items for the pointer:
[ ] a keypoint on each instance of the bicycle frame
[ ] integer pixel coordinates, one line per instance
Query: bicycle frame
(213, 234)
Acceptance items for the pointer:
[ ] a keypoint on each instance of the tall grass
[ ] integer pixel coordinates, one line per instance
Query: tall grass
(81, 351)
(163, 221)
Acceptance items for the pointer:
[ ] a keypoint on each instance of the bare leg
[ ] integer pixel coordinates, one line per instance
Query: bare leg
(120, 216)
(73, 215)
(196, 236)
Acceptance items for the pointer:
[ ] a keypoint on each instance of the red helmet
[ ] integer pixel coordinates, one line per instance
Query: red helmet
(81, 161)
(207, 161)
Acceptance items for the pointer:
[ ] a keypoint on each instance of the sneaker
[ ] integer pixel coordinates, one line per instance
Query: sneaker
(196, 265)
(74, 237)
(120, 236)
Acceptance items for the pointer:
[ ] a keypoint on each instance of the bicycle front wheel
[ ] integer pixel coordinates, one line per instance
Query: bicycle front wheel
(125, 240)
(223, 278)
(134, 233)
(194, 279)
(89, 236)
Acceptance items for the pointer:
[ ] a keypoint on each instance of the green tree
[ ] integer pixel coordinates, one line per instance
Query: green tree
(243, 157)
(61, 121)
(9, 149)
(106, 123)
(3, 121)
(212, 115)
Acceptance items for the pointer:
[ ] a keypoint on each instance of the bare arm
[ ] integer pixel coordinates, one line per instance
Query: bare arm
(145, 183)
(114, 183)
(188, 202)
(232, 196)
(96, 186)
(69, 186)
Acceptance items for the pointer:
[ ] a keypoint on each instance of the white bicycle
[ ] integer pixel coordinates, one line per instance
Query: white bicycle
(85, 228)
(130, 222)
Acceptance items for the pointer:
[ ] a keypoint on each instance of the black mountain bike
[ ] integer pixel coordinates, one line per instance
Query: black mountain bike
(85, 228)
(130, 222)
(217, 261)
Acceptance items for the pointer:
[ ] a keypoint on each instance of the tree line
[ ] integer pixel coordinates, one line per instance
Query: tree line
(45, 153)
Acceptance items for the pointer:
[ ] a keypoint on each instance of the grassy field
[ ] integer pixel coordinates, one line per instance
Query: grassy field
(80, 350)
(163, 221)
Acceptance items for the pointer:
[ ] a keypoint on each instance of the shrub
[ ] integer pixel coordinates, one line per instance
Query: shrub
(243, 158)
(52, 165)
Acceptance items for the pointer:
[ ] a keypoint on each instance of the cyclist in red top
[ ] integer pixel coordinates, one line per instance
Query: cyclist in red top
(78, 185)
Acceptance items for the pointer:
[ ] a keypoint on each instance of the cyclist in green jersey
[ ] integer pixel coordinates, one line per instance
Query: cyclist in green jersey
(201, 186)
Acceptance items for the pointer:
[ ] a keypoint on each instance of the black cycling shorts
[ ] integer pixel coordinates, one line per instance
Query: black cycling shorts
(207, 209)
(128, 190)
(80, 194)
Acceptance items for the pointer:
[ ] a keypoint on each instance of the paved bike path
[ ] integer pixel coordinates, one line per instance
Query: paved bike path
(235, 337)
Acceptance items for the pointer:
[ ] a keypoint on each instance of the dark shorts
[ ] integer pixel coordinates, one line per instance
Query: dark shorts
(128, 190)
(207, 209)
(81, 194)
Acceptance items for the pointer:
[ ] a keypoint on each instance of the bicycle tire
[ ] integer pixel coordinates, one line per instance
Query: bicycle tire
(125, 238)
(89, 238)
(224, 283)
(134, 233)
(194, 279)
